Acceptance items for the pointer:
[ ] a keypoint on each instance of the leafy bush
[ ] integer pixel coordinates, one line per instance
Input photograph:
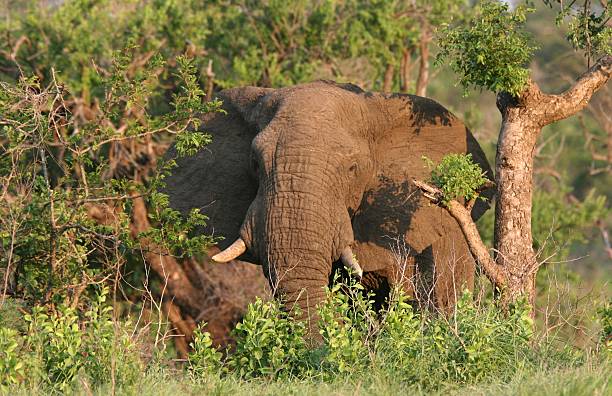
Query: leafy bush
(605, 317)
(270, 43)
(12, 368)
(269, 342)
(556, 222)
(277, 43)
(79, 38)
(88, 103)
(348, 324)
(204, 359)
(473, 344)
(57, 340)
(400, 342)
(457, 176)
(61, 346)
(51, 190)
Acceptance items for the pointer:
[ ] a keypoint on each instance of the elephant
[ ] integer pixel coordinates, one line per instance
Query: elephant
(307, 179)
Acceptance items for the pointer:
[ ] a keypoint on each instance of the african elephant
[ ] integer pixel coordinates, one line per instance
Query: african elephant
(304, 178)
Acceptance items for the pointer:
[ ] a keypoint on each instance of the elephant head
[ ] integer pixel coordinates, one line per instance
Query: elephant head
(299, 178)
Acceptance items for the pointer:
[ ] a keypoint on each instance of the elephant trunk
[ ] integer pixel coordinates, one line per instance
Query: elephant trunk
(301, 243)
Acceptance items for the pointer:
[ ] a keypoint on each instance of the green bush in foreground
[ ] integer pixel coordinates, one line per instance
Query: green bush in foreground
(269, 342)
(403, 348)
(62, 346)
(349, 326)
(605, 316)
(472, 345)
(204, 358)
(12, 369)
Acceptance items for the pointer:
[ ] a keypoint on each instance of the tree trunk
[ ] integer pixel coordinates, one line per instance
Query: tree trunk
(523, 118)
(405, 67)
(514, 179)
(513, 272)
(423, 79)
(388, 81)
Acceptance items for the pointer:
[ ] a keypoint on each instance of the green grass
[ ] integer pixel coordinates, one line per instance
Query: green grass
(590, 379)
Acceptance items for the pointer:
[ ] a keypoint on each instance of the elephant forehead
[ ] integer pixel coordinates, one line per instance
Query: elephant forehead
(323, 103)
(314, 127)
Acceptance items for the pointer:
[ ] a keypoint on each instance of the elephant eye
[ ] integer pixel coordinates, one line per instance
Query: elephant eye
(353, 168)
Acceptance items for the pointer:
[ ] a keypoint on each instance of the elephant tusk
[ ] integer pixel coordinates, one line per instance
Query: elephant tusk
(233, 251)
(349, 261)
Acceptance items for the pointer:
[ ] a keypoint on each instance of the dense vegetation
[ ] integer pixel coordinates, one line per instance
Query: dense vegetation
(92, 92)
(396, 349)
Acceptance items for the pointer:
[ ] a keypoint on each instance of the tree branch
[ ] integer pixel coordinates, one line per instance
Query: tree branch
(492, 270)
(577, 97)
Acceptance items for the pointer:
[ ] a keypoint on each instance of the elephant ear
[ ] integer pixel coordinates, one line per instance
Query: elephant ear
(393, 209)
(217, 180)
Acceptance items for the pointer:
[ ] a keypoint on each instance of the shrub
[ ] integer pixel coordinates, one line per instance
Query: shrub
(605, 317)
(472, 344)
(109, 349)
(204, 359)
(401, 339)
(12, 368)
(269, 342)
(56, 341)
(66, 345)
(61, 345)
(348, 324)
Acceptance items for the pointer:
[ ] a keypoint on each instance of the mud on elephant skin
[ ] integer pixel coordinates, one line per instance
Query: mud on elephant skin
(299, 178)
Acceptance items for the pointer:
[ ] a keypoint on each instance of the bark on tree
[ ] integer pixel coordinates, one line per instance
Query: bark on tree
(522, 121)
(423, 79)
(405, 68)
(388, 80)
(514, 266)
(514, 178)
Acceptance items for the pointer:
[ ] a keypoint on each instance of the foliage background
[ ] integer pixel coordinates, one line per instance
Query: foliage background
(275, 43)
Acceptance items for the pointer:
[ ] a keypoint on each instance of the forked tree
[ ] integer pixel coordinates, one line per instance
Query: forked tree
(491, 52)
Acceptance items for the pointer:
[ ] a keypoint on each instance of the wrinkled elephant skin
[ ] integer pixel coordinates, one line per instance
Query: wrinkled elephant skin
(305, 177)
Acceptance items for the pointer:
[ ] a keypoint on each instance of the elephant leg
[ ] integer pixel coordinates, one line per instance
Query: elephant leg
(379, 283)
(385, 266)
(445, 269)
(376, 282)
